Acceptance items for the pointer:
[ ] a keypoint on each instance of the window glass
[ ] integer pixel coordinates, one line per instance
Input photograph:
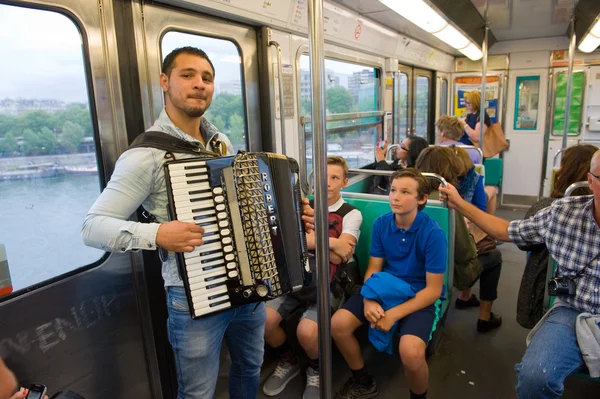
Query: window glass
(350, 88)
(401, 107)
(227, 111)
(422, 106)
(444, 97)
(48, 166)
(560, 102)
(526, 106)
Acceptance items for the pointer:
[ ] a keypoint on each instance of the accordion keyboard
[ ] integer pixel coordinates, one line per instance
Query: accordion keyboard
(210, 265)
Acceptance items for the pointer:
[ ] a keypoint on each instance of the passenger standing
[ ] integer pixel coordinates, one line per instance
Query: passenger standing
(344, 231)
(471, 124)
(410, 246)
(187, 79)
(570, 229)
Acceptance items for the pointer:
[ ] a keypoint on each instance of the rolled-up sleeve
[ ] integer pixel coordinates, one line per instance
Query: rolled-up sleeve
(106, 226)
(532, 230)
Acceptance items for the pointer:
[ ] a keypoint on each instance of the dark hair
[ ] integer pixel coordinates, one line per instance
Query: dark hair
(422, 189)
(574, 167)
(169, 61)
(439, 160)
(417, 144)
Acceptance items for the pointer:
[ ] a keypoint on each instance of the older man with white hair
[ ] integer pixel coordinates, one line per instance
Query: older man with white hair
(563, 342)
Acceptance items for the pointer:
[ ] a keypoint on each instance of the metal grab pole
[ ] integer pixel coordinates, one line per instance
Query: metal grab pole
(484, 50)
(280, 84)
(317, 68)
(569, 84)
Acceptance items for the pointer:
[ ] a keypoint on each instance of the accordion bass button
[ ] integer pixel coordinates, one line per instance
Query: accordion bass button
(226, 240)
(229, 257)
(262, 290)
(220, 207)
(217, 190)
(224, 223)
(225, 232)
(231, 266)
(228, 248)
(232, 274)
(219, 199)
(222, 215)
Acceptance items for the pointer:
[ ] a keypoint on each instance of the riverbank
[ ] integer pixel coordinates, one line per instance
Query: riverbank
(87, 158)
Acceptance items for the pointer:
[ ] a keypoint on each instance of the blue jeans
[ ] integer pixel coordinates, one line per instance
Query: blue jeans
(197, 346)
(552, 355)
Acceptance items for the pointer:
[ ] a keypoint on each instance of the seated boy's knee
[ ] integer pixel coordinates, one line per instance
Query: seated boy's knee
(273, 319)
(412, 352)
(308, 330)
(341, 324)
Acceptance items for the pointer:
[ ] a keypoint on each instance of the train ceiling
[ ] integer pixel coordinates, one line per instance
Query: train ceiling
(509, 19)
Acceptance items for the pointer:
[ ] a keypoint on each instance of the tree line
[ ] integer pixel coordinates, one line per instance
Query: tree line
(40, 132)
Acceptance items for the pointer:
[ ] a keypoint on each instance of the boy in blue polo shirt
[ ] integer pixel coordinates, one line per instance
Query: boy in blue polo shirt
(409, 245)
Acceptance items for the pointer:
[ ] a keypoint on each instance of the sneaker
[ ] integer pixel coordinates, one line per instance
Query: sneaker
(284, 372)
(354, 389)
(312, 390)
(472, 302)
(494, 322)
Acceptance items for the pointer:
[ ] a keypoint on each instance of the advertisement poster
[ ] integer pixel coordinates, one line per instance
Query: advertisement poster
(560, 100)
(465, 84)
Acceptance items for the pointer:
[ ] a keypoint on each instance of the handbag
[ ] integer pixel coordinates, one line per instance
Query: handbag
(494, 141)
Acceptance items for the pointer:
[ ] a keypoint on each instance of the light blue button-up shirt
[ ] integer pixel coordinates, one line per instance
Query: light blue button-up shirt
(139, 179)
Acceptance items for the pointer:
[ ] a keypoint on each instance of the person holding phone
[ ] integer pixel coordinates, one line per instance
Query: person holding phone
(8, 386)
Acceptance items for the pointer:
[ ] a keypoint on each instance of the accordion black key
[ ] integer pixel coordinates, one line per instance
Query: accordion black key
(254, 243)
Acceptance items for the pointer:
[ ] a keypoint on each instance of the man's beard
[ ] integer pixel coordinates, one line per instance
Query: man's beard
(194, 112)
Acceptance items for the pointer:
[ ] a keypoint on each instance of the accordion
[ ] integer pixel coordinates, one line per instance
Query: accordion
(254, 241)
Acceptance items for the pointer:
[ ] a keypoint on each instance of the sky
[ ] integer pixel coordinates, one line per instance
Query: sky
(43, 57)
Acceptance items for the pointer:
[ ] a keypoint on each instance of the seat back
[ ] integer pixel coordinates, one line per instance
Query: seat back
(493, 171)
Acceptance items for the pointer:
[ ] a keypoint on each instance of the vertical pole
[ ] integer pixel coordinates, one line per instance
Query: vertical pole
(569, 84)
(484, 59)
(317, 68)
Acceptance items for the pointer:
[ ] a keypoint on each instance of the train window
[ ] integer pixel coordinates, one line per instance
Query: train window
(444, 97)
(48, 166)
(350, 88)
(401, 110)
(526, 104)
(422, 106)
(560, 99)
(227, 111)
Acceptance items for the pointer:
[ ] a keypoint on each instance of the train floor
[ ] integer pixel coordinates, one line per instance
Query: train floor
(466, 364)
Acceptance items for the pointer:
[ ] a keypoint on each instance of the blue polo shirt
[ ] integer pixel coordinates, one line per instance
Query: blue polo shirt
(409, 254)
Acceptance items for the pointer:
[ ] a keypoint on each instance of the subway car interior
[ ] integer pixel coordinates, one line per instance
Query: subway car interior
(82, 81)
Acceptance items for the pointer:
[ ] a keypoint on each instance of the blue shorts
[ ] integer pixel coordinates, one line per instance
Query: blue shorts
(418, 323)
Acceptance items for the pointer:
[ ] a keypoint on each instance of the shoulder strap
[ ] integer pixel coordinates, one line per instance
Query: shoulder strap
(166, 142)
(345, 209)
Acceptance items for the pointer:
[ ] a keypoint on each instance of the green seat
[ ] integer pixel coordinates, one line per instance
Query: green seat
(493, 171)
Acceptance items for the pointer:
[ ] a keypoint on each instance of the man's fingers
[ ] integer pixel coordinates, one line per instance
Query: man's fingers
(194, 228)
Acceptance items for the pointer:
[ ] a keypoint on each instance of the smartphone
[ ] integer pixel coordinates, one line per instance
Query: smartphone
(36, 391)
(381, 144)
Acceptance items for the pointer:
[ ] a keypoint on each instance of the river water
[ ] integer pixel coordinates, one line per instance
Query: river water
(40, 225)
